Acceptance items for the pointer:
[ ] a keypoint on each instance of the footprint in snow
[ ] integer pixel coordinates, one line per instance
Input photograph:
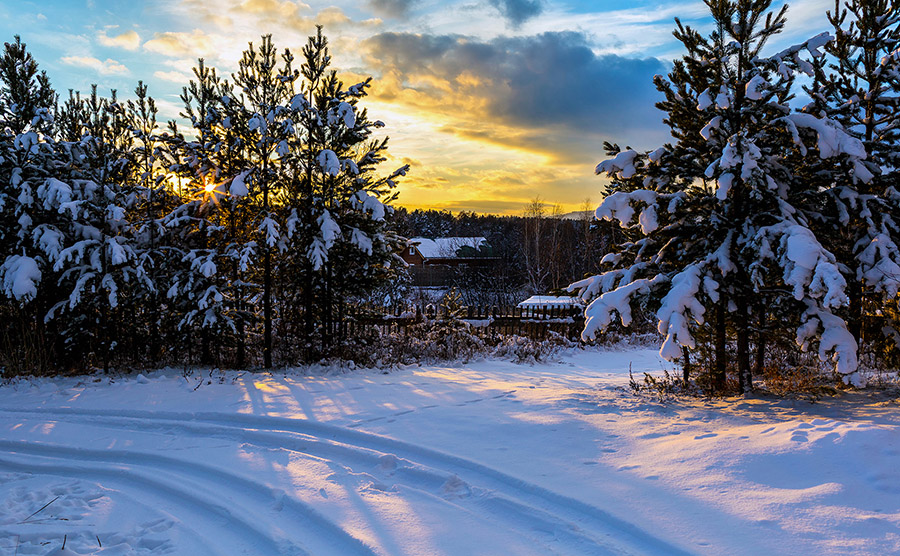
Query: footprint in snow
(800, 436)
(454, 487)
(388, 462)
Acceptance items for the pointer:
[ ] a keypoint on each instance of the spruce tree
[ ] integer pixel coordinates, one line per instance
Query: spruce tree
(715, 207)
(858, 208)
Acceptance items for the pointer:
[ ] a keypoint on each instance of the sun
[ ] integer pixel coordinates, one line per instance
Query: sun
(211, 189)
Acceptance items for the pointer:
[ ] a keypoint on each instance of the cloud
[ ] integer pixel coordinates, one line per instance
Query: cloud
(107, 67)
(393, 8)
(273, 15)
(551, 81)
(129, 40)
(518, 12)
(173, 76)
(195, 44)
(284, 7)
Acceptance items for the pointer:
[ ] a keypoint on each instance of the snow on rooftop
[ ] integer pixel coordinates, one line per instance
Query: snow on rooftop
(550, 300)
(445, 247)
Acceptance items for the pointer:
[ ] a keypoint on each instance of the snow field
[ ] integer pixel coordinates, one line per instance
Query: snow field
(483, 458)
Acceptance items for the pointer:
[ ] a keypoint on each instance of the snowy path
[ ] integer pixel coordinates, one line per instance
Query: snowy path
(488, 458)
(465, 486)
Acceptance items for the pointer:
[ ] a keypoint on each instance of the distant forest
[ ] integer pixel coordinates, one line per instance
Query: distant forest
(540, 251)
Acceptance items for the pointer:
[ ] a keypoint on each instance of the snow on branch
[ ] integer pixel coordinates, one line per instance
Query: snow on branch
(20, 276)
(878, 264)
(329, 162)
(813, 46)
(344, 113)
(369, 202)
(618, 206)
(756, 87)
(238, 187)
(599, 314)
(836, 343)
(329, 231)
(809, 269)
(832, 141)
(678, 306)
(622, 166)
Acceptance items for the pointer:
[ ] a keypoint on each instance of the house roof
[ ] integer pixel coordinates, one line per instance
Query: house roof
(538, 301)
(445, 247)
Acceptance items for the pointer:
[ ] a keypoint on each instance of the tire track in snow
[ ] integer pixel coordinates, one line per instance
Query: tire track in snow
(316, 527)
(239, 532)
(421, 481)
(527, 501)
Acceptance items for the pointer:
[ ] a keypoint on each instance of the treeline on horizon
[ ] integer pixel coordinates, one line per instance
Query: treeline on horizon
(539, 251)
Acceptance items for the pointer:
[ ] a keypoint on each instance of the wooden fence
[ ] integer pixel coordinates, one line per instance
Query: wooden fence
(535, 323)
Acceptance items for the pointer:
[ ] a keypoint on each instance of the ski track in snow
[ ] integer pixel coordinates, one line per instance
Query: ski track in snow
(556, 524)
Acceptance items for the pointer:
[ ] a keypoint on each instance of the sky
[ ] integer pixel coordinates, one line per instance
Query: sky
(493, 103)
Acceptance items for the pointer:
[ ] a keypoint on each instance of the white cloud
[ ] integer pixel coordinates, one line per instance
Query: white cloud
(194, 44)
(129, 40)
(173, 76)
(107, 67)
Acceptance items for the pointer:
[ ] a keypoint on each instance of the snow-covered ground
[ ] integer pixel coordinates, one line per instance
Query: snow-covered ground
(485, 458)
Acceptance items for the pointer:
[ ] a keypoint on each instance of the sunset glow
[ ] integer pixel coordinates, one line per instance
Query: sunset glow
(492, 102)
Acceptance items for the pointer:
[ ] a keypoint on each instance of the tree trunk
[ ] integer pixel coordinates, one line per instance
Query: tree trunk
(308, 323)
(719, 377)
(742, 330)
(267, 309)
(854, 323)
(760, 340)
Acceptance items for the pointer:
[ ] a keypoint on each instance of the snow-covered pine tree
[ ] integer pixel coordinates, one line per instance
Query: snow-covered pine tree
(210, 234)
(335, 202)
(94, 248)
(151, 202)
(860, 88)
(27, 103)
(716, 237)
(266, 95)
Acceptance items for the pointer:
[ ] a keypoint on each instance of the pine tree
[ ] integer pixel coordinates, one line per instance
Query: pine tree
(26, 97)
(860, 87)
(206, 285)
(715, 208)
(335, 203)
(266, 92)
(151, 202)
(27, 161)
(99, 257)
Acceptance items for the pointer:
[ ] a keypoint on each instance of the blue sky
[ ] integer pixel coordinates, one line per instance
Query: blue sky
(493, 102)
